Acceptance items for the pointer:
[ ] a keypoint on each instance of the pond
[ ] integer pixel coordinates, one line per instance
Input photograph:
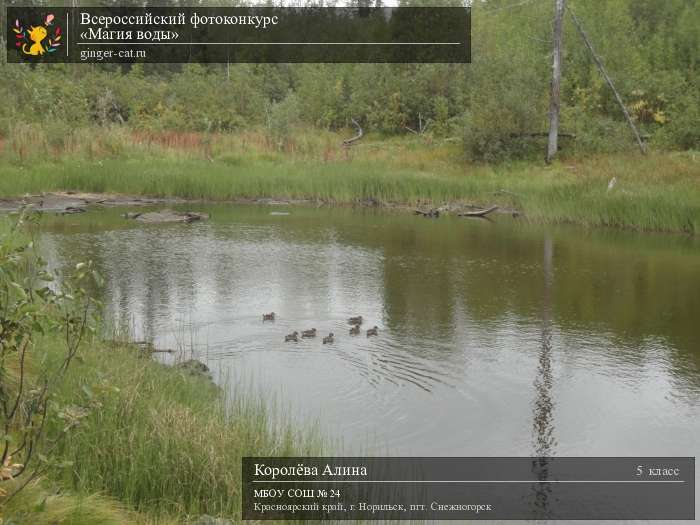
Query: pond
(496, 338)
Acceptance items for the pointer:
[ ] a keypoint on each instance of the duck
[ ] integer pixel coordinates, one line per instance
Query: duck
(355, 330)
(293, 337)
(373, 331)
(355, 320)
(269, 317)
(309, 333)
(329, 339)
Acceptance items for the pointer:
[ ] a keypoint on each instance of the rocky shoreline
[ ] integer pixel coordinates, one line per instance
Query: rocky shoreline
(66, 203)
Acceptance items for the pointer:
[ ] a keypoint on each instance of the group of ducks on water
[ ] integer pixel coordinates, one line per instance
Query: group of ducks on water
(355, 323)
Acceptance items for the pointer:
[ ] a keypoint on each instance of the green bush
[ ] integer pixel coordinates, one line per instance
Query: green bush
(595, 133)
(682, 131)
(282, 117)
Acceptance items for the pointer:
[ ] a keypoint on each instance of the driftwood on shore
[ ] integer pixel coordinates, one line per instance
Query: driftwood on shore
(434, 213)
(478, 213)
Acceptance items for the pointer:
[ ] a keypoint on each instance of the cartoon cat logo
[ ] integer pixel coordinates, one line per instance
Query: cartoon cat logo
(36, 35)
(37, 40)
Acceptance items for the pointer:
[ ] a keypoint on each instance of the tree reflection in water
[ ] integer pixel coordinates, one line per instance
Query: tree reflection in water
(543, 419)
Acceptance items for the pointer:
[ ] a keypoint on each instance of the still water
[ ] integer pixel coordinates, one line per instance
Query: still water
(495, 338)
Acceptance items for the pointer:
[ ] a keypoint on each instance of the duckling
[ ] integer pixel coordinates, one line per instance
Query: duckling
(309, 333)
(292, 338)
(269, 317)
(355, 320)
(329, 339)
(373, 331)
(355, 330)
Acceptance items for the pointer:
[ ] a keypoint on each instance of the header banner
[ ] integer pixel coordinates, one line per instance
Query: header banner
(231, 35)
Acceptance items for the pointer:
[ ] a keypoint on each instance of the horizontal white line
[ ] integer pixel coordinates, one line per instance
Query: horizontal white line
(271, 43)
(479, 481)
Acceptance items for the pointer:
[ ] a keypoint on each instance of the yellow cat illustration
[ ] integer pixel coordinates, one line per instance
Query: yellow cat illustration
(36, 35)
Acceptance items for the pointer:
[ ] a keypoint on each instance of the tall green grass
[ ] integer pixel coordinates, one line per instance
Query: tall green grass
(658, 192)
(165, 442)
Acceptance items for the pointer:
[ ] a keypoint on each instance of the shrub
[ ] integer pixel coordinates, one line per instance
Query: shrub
(29, 309)
(282, 117)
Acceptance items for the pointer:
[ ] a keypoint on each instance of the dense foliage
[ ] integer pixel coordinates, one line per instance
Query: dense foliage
(494, 105)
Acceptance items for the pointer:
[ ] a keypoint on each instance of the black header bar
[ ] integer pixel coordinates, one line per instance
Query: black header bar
(230, 35)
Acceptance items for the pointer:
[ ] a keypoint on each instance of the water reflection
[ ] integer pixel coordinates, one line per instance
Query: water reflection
(474, 318)
(543, 418)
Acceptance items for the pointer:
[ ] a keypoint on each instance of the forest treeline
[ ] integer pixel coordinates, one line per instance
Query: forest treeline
(496, 105)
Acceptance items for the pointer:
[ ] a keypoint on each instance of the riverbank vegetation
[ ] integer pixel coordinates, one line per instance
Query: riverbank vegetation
(657, 192)
(434, 133)
(102, 433)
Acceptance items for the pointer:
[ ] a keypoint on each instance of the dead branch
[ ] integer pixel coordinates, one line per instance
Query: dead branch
(541, 134)
(478, 213)
(360, 134)
(609, 81)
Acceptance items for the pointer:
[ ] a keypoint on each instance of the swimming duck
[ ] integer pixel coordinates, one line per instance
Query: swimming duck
(269, 317)
(329, 339)
(293, 337)
(355, 320)
(309, 333)
(373, 331)
(355, 330)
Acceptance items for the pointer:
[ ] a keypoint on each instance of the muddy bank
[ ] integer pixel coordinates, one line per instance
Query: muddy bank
(71, 202)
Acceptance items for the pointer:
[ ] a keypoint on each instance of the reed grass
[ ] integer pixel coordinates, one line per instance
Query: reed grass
(166, 443)
(658, 192)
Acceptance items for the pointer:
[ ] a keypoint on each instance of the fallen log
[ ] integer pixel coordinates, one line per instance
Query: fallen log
(478, 213)
(360, 134)
(541, 134)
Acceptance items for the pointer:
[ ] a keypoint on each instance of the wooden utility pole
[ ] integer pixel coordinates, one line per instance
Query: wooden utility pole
(555, 96)
(607, 78)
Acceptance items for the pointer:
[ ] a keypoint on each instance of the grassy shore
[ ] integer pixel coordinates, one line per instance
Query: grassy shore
(127, 440)
(657, 192)
(161, 446)
(166, 442)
